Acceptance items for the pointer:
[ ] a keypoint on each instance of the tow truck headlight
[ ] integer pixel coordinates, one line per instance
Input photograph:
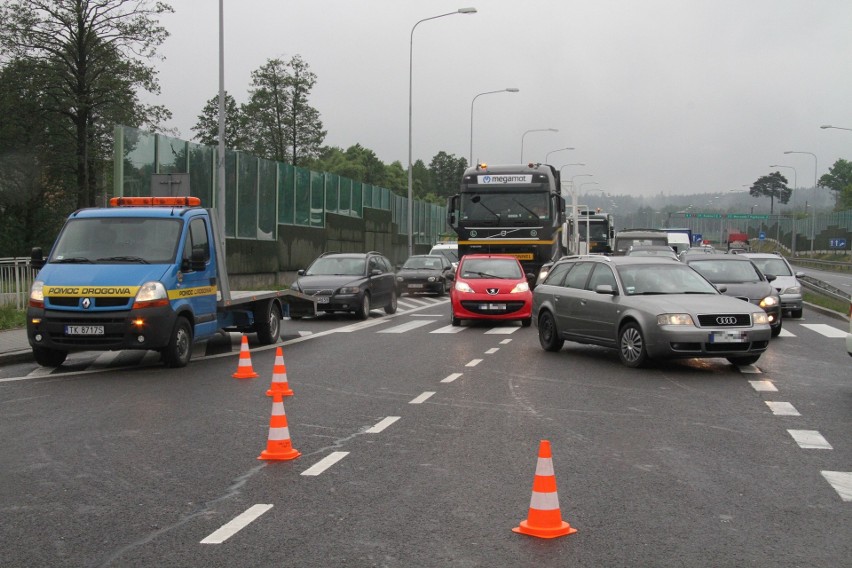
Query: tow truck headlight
(463, 287)
(769, 301)
(760, 318)
(151, 295)
(520, 287)
(674, 319)
(37, 294)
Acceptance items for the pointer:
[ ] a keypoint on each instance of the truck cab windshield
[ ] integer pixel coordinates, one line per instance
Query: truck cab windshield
(505, 207)
(118, 241)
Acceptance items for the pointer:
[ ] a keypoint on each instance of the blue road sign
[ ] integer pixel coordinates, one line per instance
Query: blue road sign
(762, 236)
(837, 243)
(696, 237)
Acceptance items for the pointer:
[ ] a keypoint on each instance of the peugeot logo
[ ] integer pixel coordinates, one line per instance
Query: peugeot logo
(726, 320)
(492, 291)
(86, 303)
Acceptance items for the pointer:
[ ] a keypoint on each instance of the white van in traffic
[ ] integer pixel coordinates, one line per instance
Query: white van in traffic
(449, 250)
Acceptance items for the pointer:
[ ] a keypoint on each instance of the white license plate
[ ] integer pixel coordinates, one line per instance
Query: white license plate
(84, 330)
(322, 299)
(729, 337)
(415, 285)
(492, 306)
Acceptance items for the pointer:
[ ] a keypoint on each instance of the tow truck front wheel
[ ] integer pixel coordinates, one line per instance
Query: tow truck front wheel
(179, 349)
(47, 357)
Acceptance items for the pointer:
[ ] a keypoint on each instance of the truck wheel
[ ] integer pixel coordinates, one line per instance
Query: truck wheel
(391, 307)
(179, 349)
(47, 357)
(267, 323)
(363, 311)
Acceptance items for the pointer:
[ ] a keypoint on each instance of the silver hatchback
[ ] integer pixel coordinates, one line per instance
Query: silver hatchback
(646, 308)
(786, 282)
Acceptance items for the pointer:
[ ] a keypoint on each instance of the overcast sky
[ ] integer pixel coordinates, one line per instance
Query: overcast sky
(672, 96)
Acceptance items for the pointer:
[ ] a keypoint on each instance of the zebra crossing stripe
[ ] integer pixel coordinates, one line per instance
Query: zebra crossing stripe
(825, 330)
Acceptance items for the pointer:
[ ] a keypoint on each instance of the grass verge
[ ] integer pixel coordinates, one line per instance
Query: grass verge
(826, 302)
(10, 318)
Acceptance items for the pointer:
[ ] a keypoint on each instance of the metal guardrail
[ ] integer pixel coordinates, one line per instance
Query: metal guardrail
(824, 288)
(16, 277)
(832, 265)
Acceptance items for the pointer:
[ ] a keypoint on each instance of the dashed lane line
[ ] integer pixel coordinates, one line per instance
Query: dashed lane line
(236, 524)
(810, 440)
(325, 463)
(841, 481)
(782, 408)
(422, 398)
(382, 425)
(763, 386)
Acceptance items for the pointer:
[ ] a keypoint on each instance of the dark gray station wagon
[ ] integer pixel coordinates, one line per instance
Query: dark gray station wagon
(646, 308)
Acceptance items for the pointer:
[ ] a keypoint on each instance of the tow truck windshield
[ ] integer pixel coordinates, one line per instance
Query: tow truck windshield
(118, 241)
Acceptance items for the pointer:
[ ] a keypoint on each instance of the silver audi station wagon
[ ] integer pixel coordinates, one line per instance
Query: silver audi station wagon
(646, 308)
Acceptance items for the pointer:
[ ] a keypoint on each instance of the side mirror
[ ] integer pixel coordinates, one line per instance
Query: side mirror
(770, 277)
(37, 258)
(375, 272)
(605, 289)
(300, 272)
(451, 275)
(195, 262)
(721, 288)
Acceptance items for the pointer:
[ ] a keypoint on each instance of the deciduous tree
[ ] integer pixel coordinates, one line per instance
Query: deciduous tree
(839, 180)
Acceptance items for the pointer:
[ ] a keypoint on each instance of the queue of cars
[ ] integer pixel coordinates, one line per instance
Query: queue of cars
(648, 304)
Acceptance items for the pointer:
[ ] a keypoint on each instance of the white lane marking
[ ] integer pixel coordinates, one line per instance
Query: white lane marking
(782, 408)
(506, 342)
(426, 315)
(474, 363)
(492, 351)
(359, 326)
(417, 301)
(763, 386)
(785, 333)
(236, 524)
(750, 370)
(449, 329)
(423, 397)
(408, 326)
(305, 333)
(451, 378)
(404, 304)
(825, 330)
(325, 463)
(810, 440)
(841, 481)
(502, 330)
(104, 359)
(382, 425)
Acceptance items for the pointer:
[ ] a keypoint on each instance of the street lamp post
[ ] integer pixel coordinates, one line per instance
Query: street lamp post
(534, 130)
(410, 84)
(507, 90)
(574, 216)
(813, 220)
(824, 126)
(547, 156)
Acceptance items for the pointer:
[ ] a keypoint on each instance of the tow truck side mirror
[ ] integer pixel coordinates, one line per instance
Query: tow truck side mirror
(37, 258)
(195, 262)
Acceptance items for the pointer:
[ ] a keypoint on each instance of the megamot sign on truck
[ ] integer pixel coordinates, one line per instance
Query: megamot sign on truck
(146, 273)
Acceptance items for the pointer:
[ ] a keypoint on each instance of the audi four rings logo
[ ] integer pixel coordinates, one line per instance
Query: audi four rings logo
(726, 320)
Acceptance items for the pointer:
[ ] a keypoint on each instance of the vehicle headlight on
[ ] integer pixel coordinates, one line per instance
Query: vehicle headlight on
(151, 295)
(542, 274)
(769, 301)
(349, 290)
(37, 294)
(760, 318)
(674, 319)
(520, 287)
(793, 290)
(463, 287)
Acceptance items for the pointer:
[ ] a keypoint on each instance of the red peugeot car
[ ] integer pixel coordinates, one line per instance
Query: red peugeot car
(491, 287)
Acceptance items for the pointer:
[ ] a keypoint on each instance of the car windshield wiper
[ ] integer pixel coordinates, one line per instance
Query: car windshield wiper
(651, 293)
(124, 259)
(487, 275)
(73, 259)
(695, 292)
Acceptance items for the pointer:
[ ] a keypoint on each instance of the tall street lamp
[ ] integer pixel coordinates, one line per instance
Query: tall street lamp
(813, 222)
(547, 156)
(824, 126)
(534, 130)
(507, 90)
(410, 84)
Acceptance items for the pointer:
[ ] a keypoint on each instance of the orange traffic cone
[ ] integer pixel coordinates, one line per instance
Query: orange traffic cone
(244, 368)
(544, 519)
(278, 446)
(279, 376)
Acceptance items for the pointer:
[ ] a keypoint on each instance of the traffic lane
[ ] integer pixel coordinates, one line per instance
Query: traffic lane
(841, 280)
(94, 463)
(631, 458)
(811, 372)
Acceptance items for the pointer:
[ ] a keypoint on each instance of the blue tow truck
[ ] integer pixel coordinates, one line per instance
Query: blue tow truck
(145, 273)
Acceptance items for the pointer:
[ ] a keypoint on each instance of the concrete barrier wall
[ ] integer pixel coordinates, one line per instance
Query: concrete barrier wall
(257, 265)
